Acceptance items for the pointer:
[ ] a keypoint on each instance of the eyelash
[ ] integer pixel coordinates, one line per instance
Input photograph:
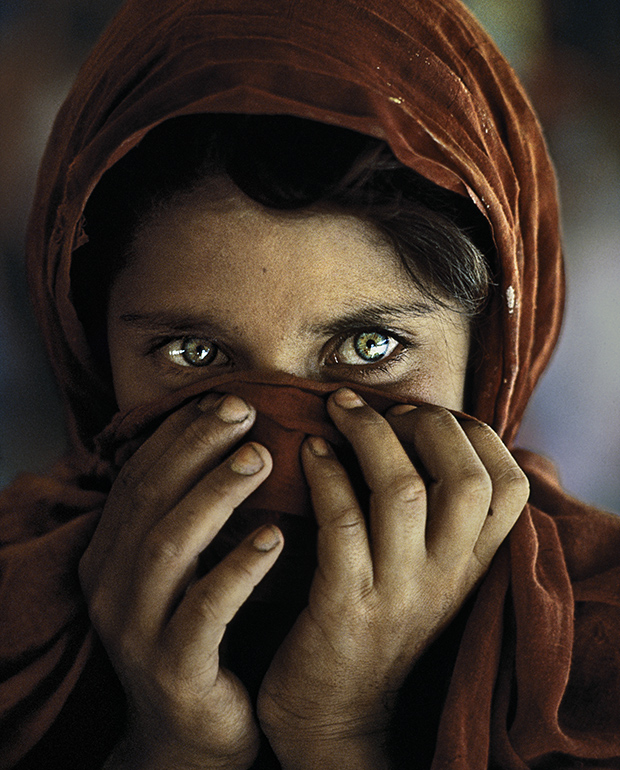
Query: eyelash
(384, 365)
(367, 370)
(156, 348)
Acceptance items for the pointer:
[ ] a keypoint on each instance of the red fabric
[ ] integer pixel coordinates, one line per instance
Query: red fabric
(536, 682)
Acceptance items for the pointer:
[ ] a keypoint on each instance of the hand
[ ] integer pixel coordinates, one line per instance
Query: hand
(160, 622)
(386, 588)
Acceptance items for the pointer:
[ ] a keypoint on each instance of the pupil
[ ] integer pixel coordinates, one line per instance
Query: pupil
(197, 353)
(371, 345)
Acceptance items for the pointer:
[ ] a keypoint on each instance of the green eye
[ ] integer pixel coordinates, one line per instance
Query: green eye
(371, 346)
(192, 351)
(366, 348)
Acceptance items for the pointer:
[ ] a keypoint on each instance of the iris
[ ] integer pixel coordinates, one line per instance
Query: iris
(372, 345)
(194, 352)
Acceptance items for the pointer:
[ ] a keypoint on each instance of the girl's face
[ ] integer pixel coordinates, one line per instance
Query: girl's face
(217, 283)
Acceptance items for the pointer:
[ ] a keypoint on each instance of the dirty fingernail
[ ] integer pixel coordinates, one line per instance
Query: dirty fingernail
(246, 461)
(266, 539)
(318, 446)
(232, 409)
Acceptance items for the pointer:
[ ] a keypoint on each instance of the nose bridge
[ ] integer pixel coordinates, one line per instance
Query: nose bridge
(282, 353)
(274, 342)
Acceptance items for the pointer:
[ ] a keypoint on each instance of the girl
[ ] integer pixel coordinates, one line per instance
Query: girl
(292, 261)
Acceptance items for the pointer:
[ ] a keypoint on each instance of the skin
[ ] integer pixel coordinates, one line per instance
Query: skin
(254, 281)
(284, 292)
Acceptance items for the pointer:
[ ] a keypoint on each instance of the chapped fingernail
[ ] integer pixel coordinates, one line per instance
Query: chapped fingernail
(347, 399)
(232, 409)
(318, 446)
(246, 461)
(266, 539)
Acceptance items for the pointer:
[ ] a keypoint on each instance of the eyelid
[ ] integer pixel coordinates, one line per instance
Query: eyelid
(384, 366)
(157, 343)
(157, 346)
(405, 343)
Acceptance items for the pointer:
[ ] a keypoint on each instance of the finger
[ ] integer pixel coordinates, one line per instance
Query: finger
(510, 489)
(342, 543)
(172, 427)
(398, 494)
(166, 560)
(459, 493)
(185, 447)
(200, 620)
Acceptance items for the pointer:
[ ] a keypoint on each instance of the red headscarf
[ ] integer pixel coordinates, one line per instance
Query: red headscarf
(535, 680)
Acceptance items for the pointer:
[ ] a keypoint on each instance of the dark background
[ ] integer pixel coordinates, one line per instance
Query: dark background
(568, 54)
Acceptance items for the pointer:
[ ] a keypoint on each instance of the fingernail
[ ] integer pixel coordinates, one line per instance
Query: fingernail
(266, 539)
(246, 461)
(232, 409)
(347, 399)
(318, 446)
(402, 409)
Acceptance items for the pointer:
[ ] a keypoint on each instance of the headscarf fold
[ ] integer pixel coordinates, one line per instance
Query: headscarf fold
(423, 76)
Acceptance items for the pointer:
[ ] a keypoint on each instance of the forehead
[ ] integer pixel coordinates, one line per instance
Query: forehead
(220, 245)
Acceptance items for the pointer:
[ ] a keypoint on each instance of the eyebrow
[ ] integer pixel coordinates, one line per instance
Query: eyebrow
(160, 320)
(368, 315)
(373, 315)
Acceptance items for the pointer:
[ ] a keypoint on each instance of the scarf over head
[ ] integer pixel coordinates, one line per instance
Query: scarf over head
(535, 681)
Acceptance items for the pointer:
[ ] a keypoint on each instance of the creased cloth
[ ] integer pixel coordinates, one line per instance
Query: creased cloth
(532, 690)
(535, 677)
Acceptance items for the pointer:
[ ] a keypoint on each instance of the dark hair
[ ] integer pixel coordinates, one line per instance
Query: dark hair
(285, 163)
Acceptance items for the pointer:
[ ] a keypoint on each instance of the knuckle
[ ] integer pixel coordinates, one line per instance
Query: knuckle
(406, 489)
(359, 609)
(243, 573)
(347, 519)
(208, 606)
(513, 484)
(135, 489)
(475, 484)
(162, 550)
(196, 438)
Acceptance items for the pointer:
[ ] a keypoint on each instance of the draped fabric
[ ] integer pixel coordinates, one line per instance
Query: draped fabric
(535, 679)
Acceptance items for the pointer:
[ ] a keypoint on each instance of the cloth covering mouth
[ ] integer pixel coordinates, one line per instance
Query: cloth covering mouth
(540, 638)
(288, 409)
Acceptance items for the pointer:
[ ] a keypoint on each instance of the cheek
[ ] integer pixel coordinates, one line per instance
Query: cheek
(442, 378)
(125, 375)
(451, 371)
(132, 384)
